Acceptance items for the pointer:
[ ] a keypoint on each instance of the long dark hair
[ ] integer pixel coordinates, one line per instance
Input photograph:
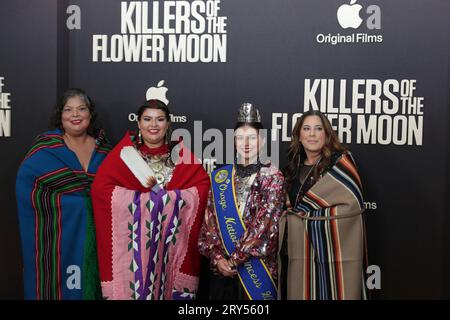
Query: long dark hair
(56, 123)
(296, 152)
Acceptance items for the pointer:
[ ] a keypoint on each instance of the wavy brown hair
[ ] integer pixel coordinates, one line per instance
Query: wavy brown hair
(296, 152)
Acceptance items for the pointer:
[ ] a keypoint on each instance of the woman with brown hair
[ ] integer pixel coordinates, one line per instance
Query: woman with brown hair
(323, 231)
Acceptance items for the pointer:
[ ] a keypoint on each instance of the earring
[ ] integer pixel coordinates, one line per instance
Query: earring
(139, 140)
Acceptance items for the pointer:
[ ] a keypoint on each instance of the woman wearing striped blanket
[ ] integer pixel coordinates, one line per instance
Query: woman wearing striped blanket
(322, 249)
(54, 205)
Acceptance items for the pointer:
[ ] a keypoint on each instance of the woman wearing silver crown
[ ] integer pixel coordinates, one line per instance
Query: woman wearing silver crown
(239, 234)
(149, 199)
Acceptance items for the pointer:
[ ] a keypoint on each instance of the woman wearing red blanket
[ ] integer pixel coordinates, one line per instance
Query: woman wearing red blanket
(149, 197)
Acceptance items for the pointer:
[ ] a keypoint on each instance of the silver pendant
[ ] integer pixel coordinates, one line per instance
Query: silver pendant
(159, 178)
(156, 166)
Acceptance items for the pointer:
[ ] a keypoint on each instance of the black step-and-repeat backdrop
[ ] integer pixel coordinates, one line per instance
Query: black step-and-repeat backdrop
(378, 69)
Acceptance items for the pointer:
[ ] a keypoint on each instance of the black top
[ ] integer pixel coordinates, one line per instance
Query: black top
(305, 172)
(247, 171)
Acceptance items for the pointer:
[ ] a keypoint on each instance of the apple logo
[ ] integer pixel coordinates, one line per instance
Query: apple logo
(348, 15)
(158, 92)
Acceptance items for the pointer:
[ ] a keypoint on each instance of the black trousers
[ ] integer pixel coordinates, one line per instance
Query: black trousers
(226, 288)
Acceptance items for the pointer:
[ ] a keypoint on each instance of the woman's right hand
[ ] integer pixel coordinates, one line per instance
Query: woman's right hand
(225, 268)
(151, 181)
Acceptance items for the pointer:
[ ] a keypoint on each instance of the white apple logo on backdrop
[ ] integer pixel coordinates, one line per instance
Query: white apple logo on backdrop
(348, 15)
(158, 92)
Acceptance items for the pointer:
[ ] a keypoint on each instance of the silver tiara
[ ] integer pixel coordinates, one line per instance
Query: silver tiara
(248, 113)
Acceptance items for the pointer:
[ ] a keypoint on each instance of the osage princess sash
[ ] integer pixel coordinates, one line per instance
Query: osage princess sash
(253, 274)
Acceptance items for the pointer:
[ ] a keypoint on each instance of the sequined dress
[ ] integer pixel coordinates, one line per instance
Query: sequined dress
(260, 196)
